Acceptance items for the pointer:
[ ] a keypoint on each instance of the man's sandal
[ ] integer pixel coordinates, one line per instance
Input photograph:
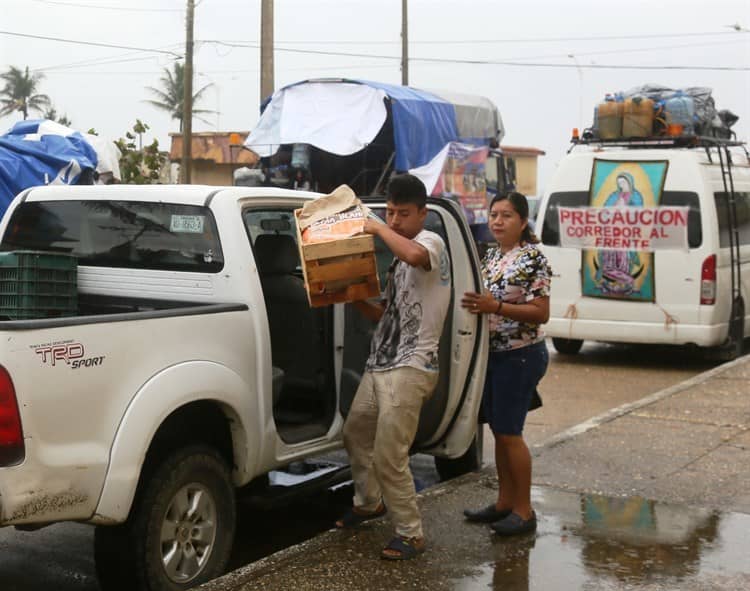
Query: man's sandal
(354, 517)
(401, 548)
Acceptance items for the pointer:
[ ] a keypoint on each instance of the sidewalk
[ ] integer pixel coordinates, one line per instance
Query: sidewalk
(687, 446)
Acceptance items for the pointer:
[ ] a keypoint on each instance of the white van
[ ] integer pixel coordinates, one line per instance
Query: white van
(692, 294)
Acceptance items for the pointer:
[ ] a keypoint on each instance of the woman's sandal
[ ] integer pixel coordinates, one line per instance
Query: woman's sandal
(401, 548)
(354, 517)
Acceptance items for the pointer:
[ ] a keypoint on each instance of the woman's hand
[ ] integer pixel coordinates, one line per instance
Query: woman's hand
(480, 303)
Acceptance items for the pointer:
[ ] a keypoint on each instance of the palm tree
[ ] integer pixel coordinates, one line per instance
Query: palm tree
(19, 93)
(170, 97)
(51, 114)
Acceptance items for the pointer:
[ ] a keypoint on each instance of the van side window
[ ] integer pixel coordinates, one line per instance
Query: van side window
(742, 206)
(689, 199)
(551, 228)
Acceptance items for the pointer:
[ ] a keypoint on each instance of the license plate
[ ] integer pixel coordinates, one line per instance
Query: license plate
(192, 224)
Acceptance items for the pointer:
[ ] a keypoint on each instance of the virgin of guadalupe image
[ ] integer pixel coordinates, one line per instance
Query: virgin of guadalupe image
(617, 270)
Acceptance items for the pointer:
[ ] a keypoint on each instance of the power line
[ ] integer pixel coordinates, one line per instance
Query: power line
(99, 60)
(91, 43)
(487, 62)
(100, 7)
(67, 70)
(218, 73)
(635, 50)
(607, 38)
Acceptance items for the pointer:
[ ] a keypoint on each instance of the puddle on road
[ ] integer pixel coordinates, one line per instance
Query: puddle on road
(598, 542)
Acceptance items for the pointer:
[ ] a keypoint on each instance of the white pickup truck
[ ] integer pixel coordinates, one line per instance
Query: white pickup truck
(193, 366)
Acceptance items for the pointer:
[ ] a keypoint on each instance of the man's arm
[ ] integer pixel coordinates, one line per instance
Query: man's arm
(409, 251)
(370, 310)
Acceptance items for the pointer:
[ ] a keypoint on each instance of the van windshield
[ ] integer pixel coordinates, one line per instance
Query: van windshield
(143, 235)
(551, 228)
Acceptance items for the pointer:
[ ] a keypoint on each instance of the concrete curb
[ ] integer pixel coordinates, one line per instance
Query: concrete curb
(244, 575)
(625, 409)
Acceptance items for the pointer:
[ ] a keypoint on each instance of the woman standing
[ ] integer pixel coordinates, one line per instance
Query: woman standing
(516, 296)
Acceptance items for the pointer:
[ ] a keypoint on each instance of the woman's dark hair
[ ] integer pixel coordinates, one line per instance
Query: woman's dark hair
(521, 205)
(406, 188)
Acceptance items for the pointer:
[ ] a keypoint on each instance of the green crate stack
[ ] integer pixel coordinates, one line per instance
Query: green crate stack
(37, 285)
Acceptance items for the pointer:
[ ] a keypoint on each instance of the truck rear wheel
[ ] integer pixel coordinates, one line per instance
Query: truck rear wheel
(180, 530)
(567, 346)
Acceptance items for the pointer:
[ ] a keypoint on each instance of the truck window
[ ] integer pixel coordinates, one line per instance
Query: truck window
(128, 234)
(551, 228)
(742, 207)
(384, 256)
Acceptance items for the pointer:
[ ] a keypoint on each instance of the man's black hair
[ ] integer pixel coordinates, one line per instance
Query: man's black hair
(406, 188)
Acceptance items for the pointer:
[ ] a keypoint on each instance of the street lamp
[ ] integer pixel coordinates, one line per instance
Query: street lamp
(580, 88)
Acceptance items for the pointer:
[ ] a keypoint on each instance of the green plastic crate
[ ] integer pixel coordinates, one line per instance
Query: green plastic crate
(37, 284)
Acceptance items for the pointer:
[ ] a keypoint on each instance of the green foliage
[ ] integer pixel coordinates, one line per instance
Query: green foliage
(51, 114)
(172, 92)
(139, 165)
(20, 92)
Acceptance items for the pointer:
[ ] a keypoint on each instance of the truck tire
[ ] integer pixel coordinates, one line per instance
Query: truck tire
(471, 461)
(180, 529)
(567, 346)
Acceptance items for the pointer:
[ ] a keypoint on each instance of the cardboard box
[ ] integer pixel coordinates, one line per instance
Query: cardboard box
(340, 270)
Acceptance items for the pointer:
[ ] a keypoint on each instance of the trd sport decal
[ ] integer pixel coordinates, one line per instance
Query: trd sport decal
(71, 353)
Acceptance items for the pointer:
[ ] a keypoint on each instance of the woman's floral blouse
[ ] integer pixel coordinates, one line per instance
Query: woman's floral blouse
(518, 276)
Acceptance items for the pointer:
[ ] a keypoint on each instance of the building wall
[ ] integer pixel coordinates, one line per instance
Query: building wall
(207, 172)
(526, 172)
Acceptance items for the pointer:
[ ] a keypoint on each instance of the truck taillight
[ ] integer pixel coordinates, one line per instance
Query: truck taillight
(708, 281)
(12, 450)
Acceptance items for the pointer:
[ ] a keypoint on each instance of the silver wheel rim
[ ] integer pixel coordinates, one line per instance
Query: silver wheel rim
(188, 533)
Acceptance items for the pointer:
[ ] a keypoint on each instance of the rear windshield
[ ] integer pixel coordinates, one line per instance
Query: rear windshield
(160, 236)
(551, 228)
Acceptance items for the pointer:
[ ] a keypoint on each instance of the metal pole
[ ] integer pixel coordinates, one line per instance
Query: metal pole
(187, 99)
(404, 43)
(266, 49)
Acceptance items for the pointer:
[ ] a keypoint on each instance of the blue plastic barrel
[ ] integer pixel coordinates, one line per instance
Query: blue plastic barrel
(680, 110)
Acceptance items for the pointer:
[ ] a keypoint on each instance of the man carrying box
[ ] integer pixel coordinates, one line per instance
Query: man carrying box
(402, 370)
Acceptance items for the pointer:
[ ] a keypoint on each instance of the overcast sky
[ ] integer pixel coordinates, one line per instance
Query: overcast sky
(568, 55)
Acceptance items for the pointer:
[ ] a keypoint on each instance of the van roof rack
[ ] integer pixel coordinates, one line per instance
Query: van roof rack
(680, 141)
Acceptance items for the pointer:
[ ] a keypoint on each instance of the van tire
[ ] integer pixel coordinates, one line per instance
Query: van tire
(567, 346)
(193, 486)
(470, 461)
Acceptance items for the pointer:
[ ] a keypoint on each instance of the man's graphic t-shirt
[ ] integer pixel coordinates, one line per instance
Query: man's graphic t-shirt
(416, 302)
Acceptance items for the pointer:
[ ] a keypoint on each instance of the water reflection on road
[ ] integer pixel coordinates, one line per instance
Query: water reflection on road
(599, 542)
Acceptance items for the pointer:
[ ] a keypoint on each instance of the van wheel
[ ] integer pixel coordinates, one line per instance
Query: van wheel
(471, 461)
(567, 346)
(180, 530)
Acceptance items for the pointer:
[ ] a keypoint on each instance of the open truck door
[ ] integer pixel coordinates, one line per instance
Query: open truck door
(448, 423)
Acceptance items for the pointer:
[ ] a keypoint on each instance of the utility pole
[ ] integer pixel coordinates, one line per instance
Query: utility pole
(187, 99)
(404, 43)
(266, 49)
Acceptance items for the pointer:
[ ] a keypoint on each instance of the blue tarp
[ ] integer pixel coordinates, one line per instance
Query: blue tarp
(423, 122)
(38, 152)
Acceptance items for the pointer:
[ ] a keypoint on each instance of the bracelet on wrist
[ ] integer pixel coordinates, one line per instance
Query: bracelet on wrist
(499, 306)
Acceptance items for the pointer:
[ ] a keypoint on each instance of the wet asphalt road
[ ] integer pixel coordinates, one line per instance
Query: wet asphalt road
(575, 388)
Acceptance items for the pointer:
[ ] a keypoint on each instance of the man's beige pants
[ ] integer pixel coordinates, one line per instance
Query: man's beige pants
(378, 434)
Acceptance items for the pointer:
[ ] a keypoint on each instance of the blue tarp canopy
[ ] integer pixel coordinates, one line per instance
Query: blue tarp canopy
(344, 116)
(41, 152)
